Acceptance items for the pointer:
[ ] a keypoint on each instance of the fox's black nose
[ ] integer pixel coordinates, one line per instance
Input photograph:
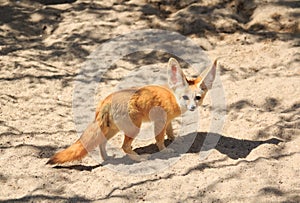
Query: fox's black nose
(192, 108)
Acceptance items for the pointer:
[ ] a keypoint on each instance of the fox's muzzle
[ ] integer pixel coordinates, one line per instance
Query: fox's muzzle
(192, 108)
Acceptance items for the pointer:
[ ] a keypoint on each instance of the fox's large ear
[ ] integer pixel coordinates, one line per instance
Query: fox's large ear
(209, 76)
(176, 76)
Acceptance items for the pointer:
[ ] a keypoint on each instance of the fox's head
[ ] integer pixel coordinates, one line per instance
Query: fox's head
(189, 93)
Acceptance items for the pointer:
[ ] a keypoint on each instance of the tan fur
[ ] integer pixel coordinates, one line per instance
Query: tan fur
(72, 153)
(136, 104)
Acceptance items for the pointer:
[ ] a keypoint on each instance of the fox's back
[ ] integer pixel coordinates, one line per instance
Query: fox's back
(138, 102)
(148, 97)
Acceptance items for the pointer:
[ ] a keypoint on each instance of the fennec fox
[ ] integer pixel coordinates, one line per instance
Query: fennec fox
(126, 110)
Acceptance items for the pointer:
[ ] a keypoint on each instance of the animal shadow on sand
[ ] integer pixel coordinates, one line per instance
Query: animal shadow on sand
(191, 143)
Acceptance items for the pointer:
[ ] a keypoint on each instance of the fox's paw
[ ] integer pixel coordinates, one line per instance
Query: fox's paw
(139, 158)
(168, 150)
(108, 158)
(171, 137)
(145, 157)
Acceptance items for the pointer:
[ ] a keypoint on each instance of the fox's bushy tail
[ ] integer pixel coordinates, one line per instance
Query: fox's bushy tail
(91, 138)
(75, 152)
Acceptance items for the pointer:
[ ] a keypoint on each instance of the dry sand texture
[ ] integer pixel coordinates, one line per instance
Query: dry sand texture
(43, 44)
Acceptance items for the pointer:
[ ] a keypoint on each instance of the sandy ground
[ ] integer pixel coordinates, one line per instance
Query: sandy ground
(43, 45)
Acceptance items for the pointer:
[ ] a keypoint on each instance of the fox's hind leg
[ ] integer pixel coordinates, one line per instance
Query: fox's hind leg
(102, 146)
(131, 131)
(127, 148)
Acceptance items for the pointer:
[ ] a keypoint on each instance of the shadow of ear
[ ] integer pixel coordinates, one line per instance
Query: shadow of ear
(232, 147)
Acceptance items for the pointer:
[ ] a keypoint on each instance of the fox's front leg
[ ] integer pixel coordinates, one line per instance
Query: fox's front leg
(160, 140)
(170, 132)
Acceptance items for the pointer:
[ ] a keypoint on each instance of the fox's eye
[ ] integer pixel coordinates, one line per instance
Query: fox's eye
(185, 97)
(197, 97)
